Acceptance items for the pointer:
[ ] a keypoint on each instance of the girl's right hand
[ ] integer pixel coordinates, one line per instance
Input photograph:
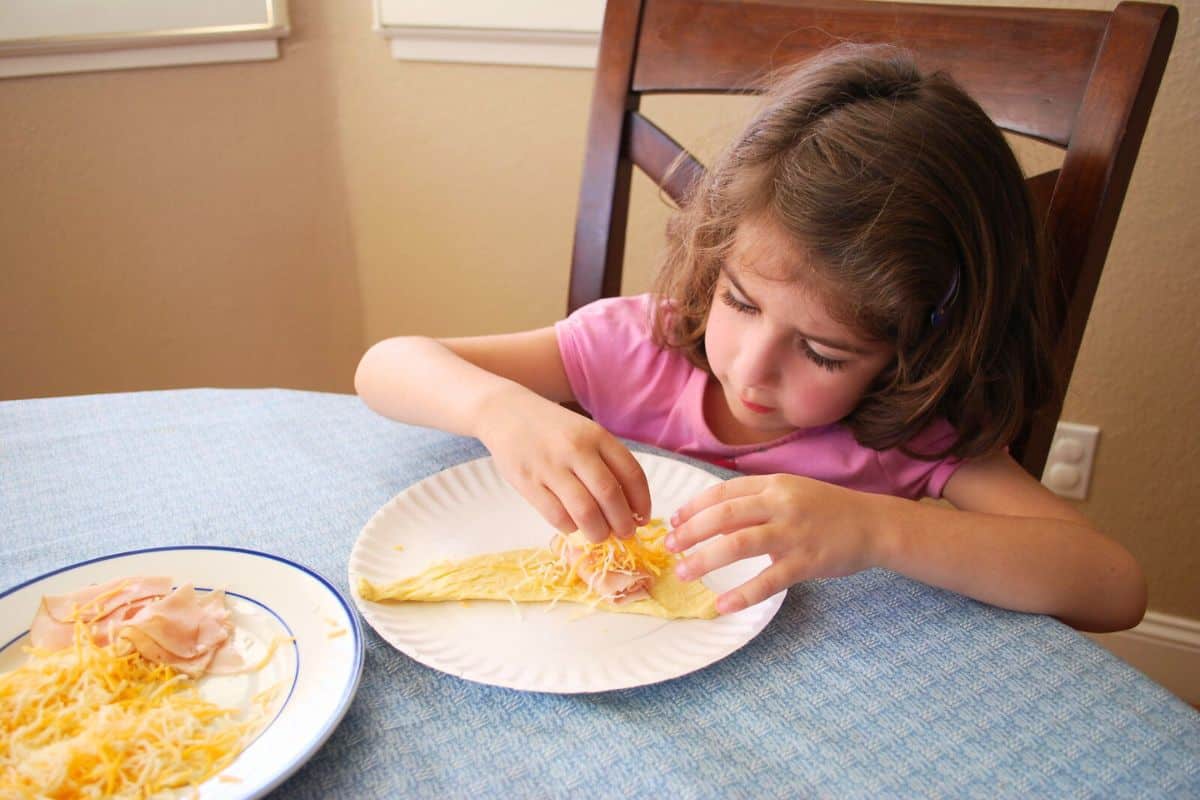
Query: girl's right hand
(575, 473)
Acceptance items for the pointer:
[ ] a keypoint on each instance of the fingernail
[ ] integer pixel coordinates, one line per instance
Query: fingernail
(639, 519)
(682, 572)
(728, 605)
(674, 519)
(671, 542)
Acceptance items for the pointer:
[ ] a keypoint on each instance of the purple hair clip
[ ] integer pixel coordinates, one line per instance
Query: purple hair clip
(938, 317)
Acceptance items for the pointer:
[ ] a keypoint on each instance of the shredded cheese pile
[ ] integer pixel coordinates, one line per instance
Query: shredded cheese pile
(90, 721)
(645, 551)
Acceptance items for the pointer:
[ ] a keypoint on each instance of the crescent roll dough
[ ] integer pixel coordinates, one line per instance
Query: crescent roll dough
(634, 576)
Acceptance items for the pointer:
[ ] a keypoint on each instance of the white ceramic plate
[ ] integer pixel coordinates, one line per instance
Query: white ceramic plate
(469, 509)
(270, 597)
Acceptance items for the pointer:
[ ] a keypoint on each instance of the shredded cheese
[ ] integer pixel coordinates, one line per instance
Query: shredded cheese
(645, 552)
(90, 721)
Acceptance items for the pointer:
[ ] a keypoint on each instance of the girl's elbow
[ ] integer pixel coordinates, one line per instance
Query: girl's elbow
(1130, 594)
(1138, 597)
(362, 373)
(382, 369)
(371, 366)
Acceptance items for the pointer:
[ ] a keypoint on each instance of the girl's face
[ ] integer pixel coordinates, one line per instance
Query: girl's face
(781, 361)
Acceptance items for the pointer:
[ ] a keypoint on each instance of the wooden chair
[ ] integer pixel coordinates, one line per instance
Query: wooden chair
(1081, 80)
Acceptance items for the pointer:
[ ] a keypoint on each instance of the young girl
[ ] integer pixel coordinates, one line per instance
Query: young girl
(852, 309)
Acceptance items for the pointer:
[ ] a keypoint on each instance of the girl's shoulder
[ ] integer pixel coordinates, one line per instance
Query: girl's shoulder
(616, 370)
(616, 333)
(623, 308)
(935, 437)
(916, 468)
(620, 323)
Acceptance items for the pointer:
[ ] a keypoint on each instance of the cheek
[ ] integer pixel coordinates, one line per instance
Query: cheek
(818, 394)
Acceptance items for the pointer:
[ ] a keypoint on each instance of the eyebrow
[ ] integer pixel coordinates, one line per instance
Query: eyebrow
(834, 344)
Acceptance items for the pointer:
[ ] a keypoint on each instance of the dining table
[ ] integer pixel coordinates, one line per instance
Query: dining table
(871, 685)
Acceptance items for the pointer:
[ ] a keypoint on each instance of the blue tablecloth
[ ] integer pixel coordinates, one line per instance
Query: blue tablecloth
(868, 686)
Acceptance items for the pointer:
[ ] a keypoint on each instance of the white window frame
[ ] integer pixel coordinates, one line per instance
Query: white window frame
(83, 44)
(555, 33)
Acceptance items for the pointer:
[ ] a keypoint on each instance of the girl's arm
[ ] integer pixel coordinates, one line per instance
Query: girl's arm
(447, 384)
(1009, 542)
(1014, 543)
(504, 390)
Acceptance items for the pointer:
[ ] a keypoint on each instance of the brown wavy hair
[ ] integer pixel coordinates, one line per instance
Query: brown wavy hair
(894, 182)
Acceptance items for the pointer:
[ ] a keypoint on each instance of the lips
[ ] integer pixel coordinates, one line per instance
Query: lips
(755, 407)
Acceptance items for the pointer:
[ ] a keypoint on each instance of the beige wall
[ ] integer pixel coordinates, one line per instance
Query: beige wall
(260, 224)
(177, 227)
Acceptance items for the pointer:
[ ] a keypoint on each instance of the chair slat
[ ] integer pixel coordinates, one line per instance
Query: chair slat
(1028, 73)
(654, 152)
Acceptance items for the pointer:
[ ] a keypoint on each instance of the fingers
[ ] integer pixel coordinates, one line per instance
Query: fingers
(768, 583)
(607, 491)
(546, 503)
(634, 486)
(566, 504)
(600, 491)
(727, 490)
(579, 496)
(591, 498)
(752, 541)
(725, 516)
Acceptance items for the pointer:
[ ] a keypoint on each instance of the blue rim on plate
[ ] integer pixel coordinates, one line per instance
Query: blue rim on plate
(304, 753)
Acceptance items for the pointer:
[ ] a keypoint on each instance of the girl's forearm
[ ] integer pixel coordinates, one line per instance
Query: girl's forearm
(1062, 568)
(422, 382)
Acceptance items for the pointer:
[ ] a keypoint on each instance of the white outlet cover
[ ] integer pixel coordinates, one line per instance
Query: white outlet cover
(1068, 471)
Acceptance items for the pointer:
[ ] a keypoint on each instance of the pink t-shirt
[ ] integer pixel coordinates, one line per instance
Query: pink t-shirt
(640, 391)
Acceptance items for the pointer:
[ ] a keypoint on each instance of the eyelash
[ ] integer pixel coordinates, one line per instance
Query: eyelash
(833, 365)
(737, 305)
(830, 364)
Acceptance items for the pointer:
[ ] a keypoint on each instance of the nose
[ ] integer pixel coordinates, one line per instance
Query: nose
(759, 358)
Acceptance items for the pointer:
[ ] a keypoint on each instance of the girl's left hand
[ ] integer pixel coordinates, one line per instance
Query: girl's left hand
(809, 528)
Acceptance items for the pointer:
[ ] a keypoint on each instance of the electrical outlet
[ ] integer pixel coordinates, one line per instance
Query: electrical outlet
(1068, 469)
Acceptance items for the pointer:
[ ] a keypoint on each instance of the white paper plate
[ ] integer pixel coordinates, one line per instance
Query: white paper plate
(270, 597)
(469, 509)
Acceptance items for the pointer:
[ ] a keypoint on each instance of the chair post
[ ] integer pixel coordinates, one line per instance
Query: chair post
(599, 245)
(1088, 195)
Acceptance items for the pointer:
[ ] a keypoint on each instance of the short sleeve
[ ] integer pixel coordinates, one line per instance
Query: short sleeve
(616, 372)
(915, 477)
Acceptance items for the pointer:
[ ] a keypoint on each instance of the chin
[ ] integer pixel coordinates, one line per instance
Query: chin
(779, 427)
(766, 429)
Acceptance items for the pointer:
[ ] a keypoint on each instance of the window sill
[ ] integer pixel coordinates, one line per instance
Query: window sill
(489, 46)
(89, 52)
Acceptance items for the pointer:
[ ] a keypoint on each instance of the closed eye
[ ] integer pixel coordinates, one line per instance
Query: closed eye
(824, 362)
(737, 305)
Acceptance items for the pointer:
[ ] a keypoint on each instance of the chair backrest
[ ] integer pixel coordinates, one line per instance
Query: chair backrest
(1081, 80)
